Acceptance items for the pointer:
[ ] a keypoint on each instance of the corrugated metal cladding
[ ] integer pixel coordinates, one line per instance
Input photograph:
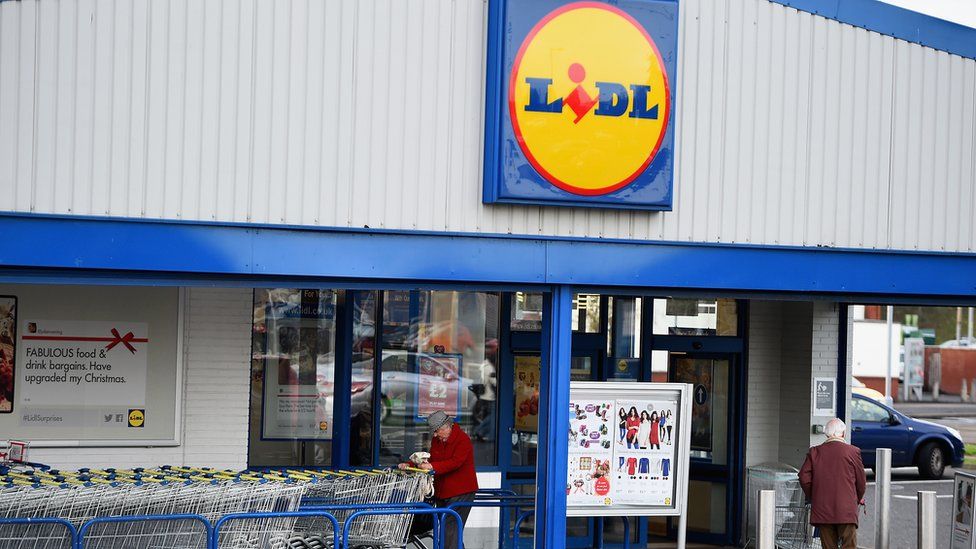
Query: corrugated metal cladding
(792, 129)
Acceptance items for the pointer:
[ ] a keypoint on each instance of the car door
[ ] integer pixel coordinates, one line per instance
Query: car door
(872, 428)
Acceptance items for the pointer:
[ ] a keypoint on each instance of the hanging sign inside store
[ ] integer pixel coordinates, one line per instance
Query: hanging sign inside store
(628, 449)
(440, 384)
(579, 103)
(963, 511)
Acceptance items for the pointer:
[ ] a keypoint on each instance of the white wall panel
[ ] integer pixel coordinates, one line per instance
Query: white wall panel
(791, 129)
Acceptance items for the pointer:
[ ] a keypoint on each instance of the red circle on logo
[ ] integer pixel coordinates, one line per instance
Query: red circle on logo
(575, 71)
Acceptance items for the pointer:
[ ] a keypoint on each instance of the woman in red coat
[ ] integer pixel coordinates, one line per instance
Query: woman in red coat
(452, 460)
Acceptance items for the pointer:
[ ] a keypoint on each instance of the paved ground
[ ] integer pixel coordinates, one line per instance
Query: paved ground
(904, 509)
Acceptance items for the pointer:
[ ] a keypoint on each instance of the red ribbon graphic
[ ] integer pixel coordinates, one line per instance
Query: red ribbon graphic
(123, 339)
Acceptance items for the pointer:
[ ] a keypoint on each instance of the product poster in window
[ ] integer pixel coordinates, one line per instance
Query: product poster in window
(299, 367)
(527, 374)
(8, 352)
(644, 454)
(590, 453)
(439, 386)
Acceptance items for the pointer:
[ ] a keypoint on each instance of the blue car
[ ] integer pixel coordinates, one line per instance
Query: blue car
(913, 442)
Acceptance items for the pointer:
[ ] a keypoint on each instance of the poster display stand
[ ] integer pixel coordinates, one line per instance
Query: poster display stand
(963, 511)
(629, 450)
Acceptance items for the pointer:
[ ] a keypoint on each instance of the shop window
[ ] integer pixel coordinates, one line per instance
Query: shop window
(292, 377)
(439, 352)
(695, 317)
(586, 313)
(527, 312)
(363, 360)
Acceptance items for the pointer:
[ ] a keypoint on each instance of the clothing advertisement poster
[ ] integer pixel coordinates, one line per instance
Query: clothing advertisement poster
(527, 374)
(622, 451)
(644, 447)
(8, 352)
(591, 452)
(962, 511)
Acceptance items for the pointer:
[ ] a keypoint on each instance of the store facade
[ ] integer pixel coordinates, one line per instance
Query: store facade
(296, 220)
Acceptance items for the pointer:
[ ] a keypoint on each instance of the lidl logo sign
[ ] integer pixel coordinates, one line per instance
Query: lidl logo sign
(580, 106)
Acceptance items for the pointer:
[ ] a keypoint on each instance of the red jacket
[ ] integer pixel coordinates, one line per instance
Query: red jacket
(453, 463)
(832, 477)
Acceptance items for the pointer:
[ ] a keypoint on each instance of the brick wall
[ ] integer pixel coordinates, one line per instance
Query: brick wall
(762, 391)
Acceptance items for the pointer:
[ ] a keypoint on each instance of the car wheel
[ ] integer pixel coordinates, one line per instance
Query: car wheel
(931, 461)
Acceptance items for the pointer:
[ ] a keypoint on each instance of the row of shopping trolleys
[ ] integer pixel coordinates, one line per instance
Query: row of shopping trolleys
(119, 504)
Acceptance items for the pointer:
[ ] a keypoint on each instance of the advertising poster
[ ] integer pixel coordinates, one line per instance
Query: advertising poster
(962, 511)
(527, 374)
(68, 363)
(297, 403)
(645, 451)
(699, 374)
(590, 453)
(8, 352)
(915, 361)
(440, 384)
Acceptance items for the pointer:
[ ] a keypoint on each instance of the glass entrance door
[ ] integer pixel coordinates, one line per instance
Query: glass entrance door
(714, 460)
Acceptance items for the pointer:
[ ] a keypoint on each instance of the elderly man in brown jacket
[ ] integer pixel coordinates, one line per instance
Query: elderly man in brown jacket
(832, 477)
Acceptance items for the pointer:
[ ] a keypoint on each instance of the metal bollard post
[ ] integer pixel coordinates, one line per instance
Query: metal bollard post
(926, 520)
(935, 391)
(766, 525)
(964, 391)
(882, 497)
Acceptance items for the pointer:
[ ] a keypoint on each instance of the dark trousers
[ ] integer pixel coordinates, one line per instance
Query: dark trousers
(449, 530)
(833, 536)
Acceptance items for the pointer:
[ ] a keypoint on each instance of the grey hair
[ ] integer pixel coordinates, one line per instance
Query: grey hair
(835, 428)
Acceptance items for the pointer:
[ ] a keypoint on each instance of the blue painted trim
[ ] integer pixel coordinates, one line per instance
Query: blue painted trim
(342, 396)
(150, 250)
(894, 21)
(553, 457)
(841, 393)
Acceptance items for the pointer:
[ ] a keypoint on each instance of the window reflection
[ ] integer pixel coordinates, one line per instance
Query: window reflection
(695, 317)
(292, 377)
(439, 352)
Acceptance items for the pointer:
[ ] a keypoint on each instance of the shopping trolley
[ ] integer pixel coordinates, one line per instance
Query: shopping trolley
(345, 493)
(793, 530)
(80, 496)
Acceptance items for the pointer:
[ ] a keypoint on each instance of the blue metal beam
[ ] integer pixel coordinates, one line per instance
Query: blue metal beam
(121, 248)
(553, 452)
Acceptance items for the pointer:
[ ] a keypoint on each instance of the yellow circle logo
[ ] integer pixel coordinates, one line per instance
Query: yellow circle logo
(589, 98)
(137, 418)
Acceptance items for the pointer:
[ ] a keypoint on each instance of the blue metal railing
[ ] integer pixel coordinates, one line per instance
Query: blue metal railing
(214, 539)
(69, 528)
(505, 502)
(80, 538)
(435, 512)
